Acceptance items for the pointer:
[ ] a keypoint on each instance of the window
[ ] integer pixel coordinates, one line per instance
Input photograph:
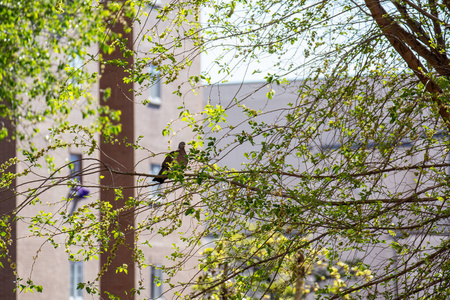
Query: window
(154, 188)
(76, 277)
(75, 65)
(75, 175)
(75, 167)
(155, 87)
(156, 277)
(448, 161)
(154, 3)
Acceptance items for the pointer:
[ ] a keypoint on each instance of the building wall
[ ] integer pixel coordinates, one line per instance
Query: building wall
(50, 267)
(253, 96)
(7, 204)
(150, 121)
(37, 258)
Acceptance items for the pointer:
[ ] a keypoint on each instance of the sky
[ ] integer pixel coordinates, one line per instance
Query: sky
(240, 71)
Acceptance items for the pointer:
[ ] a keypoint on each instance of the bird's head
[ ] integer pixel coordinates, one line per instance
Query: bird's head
(181, 145)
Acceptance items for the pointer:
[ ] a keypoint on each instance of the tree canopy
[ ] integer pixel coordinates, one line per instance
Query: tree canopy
(357, 160)
(338, 157)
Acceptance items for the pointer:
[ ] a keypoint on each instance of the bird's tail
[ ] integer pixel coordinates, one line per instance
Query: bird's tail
(160, 180)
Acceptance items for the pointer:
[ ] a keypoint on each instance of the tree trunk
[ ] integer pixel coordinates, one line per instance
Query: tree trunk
(300, 274)
(399, 39)
(224, 289)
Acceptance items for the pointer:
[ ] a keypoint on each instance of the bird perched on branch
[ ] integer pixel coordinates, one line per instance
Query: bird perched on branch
(179, 155)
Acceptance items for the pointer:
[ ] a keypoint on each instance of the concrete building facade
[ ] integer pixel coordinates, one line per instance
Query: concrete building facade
(253, 95)
(48, 264)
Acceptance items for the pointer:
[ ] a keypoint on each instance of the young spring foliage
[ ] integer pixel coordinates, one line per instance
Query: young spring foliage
(343, 156)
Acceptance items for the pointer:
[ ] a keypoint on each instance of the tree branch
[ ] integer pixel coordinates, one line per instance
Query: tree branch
(398, 37)
(396, 275)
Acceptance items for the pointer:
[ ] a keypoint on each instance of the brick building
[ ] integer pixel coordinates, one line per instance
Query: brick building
(50, 267)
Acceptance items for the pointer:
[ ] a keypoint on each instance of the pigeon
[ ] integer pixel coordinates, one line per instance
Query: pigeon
(179, 155)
